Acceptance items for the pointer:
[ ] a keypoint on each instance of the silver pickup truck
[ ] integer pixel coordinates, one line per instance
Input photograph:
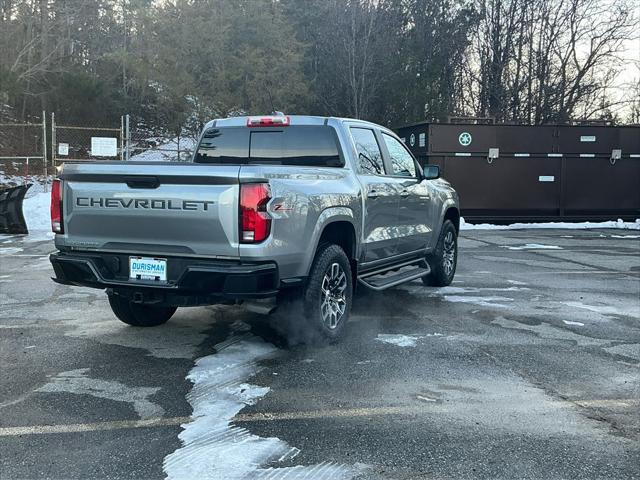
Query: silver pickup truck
(270, 208)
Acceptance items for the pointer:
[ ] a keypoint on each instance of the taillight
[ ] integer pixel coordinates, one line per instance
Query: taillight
(255, 222)
(56, 207)
(271, 121)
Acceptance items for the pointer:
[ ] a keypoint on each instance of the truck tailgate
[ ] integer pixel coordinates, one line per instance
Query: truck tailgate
(155, 208)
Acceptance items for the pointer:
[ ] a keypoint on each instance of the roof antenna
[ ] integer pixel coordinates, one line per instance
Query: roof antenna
(273, 109)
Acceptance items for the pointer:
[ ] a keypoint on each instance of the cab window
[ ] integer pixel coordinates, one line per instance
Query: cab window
(369, 155)
(401, 160)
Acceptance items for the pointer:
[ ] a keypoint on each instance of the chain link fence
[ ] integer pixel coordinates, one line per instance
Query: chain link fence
(23, 151)
(74, 143)
(31, 149)
(143, 145)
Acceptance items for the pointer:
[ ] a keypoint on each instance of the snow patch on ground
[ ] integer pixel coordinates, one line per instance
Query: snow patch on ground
(569, 322)
(214, 448)
(482, 301)
(454, 290)
(399, 340)
(79, 383)
(178, 338)
(561, 225)
(404, 340)
(604, 309)
(544, 330)
(625, 236)
(10, 250)
(532, 246)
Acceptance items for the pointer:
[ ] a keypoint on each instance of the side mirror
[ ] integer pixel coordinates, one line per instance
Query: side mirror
(431, 172)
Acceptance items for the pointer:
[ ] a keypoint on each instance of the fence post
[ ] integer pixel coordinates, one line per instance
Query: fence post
(121, 138)
(44, 149)
(128, 133)
(53, 140)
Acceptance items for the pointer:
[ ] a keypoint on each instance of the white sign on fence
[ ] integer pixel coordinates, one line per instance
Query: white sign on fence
(104, 147)
(63, 149)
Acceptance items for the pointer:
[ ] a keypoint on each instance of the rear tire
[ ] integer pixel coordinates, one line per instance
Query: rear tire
(329, 293)
(138, 314)
(444, 259)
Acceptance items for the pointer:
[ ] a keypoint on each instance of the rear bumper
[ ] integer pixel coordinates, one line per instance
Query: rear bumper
(187, 278)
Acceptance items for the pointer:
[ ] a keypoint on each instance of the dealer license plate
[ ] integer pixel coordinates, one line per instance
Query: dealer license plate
(145, 268)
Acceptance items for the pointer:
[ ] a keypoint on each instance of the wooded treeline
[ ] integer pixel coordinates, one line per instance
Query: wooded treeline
(173, 64)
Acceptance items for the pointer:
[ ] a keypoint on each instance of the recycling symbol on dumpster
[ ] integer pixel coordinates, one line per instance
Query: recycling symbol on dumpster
(465, 139)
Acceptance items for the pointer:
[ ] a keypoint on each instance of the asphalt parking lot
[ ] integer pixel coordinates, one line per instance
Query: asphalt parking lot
(528, 366)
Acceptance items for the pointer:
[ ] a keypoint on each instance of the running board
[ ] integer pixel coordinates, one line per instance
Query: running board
(382, 282)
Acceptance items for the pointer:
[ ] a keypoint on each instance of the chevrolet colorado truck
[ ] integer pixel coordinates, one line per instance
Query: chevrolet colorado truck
(269, 207)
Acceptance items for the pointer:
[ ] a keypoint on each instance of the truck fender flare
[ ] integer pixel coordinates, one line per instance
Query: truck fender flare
(449, 203)
(328, 216)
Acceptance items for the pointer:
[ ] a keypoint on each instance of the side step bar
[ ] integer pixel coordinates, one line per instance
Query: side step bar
(382, 282)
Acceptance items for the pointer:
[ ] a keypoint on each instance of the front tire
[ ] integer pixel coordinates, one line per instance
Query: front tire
(329, 292)
(137, 314)
(444, 259)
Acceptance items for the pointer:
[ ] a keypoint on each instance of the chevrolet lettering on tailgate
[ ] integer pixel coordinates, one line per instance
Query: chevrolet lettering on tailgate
(149, 203)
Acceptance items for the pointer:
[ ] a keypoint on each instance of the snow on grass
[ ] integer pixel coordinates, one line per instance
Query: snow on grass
(533, 246)
(167, 151)
(36, 211)
(214, 448)
(560, 225)
(569, 322)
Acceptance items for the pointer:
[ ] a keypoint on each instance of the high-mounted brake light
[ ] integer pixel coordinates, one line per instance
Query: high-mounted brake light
(255, 222)
(270, 121)
(56, 207)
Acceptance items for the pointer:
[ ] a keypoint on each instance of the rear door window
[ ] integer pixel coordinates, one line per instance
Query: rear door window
(369, 155)
(315, 146)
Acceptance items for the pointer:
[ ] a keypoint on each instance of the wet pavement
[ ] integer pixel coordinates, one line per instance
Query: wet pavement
(528, 366)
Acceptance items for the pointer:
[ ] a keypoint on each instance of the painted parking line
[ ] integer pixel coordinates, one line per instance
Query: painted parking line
(171, 421)
(334, 413)
(274, 416)
(92, 427)
(403, 410)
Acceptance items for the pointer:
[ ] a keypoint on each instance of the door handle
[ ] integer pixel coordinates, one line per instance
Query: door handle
(373, 194)
(142, 182)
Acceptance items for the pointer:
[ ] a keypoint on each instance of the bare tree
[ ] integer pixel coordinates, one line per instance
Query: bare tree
(544, 61)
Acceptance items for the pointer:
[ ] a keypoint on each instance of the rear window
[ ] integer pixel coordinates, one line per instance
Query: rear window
(223, 145)
(297, 145)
